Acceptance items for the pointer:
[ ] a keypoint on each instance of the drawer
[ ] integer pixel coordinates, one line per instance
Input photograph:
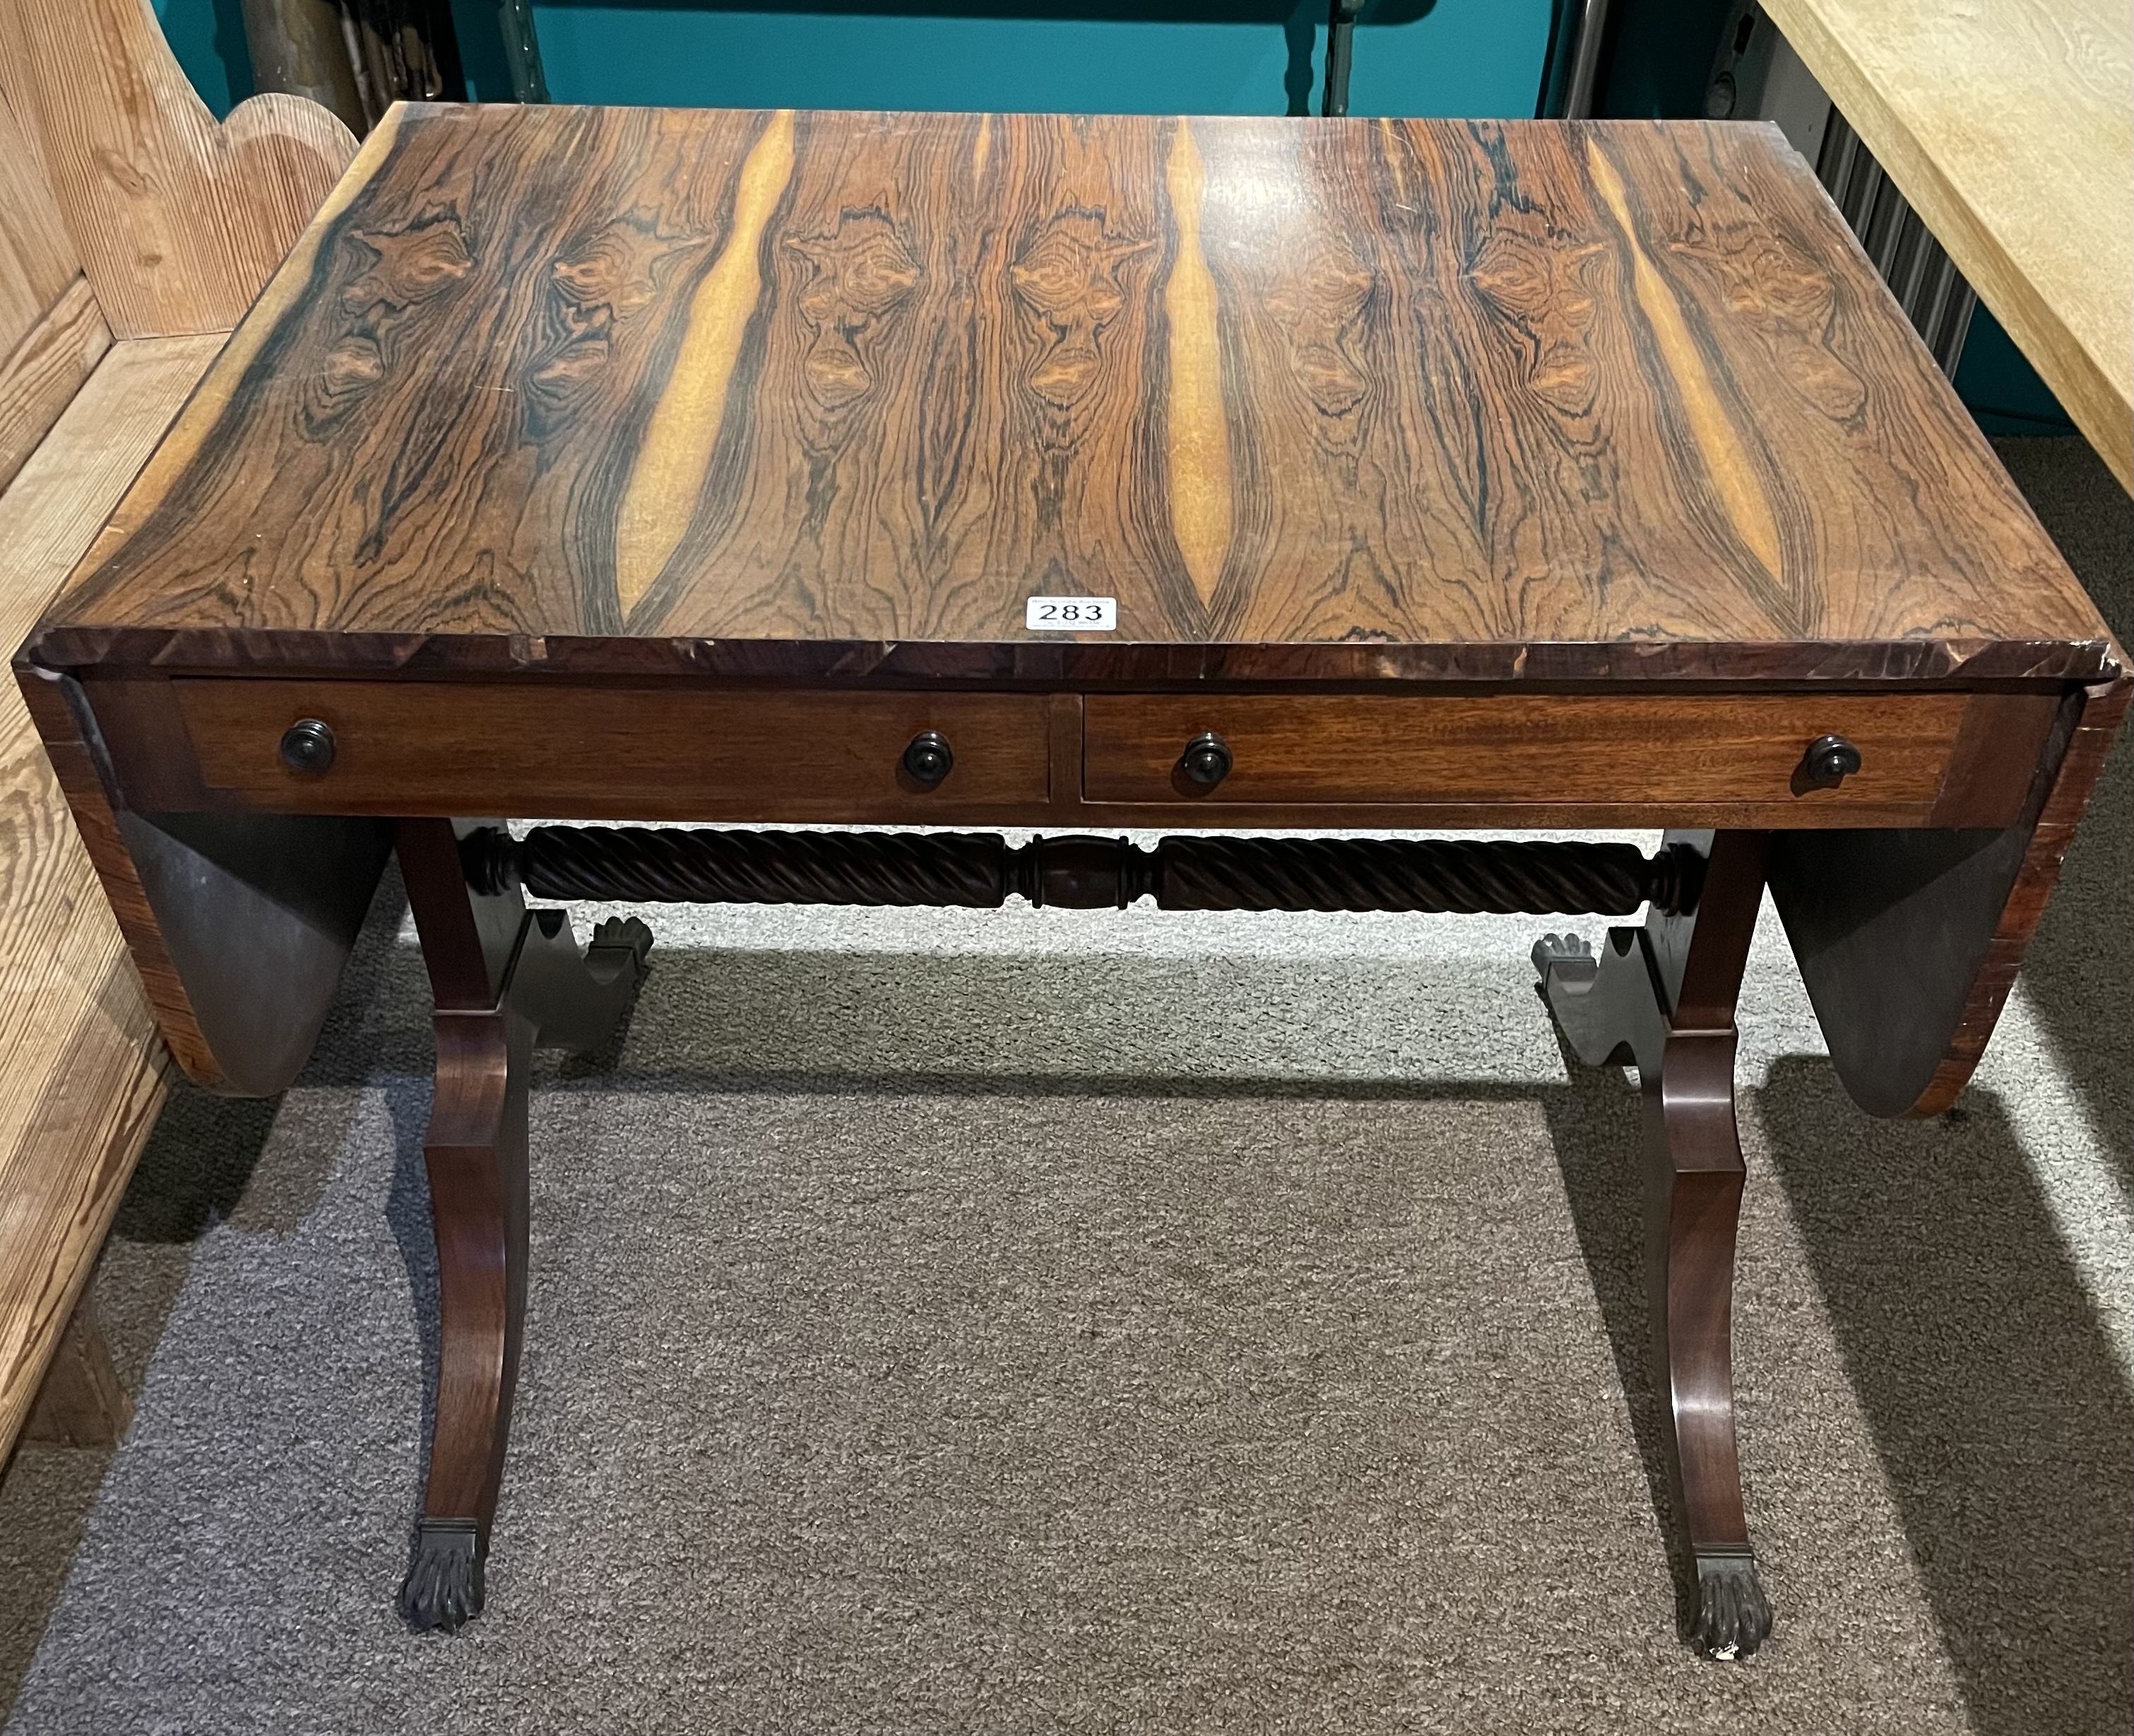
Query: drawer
(557, 749)
(1642, 749)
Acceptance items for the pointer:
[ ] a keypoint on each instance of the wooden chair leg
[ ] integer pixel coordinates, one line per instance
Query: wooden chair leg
(81, 1401)
(1662, 998)
(505, 979)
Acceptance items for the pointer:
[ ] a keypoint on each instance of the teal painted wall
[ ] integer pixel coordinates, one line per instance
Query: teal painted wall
(1192, 56)
(2002, 388)
(208, 37)
(1156, 57)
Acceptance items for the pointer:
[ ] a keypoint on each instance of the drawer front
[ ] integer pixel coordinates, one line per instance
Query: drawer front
(536, 748)
(1649, 750)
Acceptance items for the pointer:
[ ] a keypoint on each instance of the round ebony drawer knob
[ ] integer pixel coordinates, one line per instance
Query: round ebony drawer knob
(1831, 760)
(1206, 760)
(928, 758)
(307, 745)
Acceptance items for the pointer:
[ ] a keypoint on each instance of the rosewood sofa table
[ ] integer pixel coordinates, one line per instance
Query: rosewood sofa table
(1072, 473)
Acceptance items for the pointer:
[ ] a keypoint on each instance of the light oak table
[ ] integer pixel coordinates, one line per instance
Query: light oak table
(2009, 125)
(1074, 472)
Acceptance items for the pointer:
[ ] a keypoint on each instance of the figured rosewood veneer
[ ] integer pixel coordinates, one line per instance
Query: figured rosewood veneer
(828, 396)
(587, 463)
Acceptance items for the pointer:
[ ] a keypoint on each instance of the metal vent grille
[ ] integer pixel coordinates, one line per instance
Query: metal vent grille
(1932, 292)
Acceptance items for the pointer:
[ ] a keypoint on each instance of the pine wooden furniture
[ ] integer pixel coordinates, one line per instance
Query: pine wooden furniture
(596, 464)
(133, 232)
(2008, 129)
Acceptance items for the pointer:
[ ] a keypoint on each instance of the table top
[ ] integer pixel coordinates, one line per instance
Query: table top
(2008, 127)
(830, 396)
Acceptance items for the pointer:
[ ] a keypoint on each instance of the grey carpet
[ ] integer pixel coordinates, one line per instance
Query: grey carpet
(1044, 1321)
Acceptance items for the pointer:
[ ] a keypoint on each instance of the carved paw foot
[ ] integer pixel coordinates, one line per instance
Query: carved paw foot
(1733, 1616)
(1569, 957)
(444, 1584)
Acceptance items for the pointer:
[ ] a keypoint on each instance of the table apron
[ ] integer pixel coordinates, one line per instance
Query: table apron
(563, 750)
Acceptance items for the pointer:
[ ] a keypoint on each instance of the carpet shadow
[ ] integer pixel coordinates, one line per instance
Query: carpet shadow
(202, 1165)
(911, 1021)
(1997, 1407)
(197, 1164)
(408, 1216)
(1094, 1024)
(378, 1035)
(1596, 1125)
